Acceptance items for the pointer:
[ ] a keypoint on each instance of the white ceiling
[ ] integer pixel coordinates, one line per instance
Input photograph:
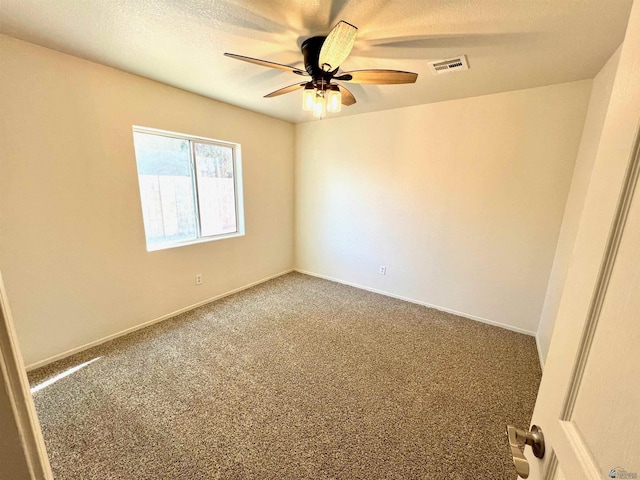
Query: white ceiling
(510, 44)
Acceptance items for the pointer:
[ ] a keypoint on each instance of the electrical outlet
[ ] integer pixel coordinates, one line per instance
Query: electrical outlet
(382, 270)
(199, 279)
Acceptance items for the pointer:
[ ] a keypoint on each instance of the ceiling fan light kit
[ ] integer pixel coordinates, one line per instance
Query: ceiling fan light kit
(321, 98)
(322, 59)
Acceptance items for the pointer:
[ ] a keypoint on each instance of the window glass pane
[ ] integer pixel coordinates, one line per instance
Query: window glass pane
(216, 189)
(166, 188)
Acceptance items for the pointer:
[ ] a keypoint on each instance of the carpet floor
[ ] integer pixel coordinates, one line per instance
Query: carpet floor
(296, 378)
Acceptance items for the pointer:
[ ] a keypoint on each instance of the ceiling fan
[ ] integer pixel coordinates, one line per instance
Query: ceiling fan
(322, 59)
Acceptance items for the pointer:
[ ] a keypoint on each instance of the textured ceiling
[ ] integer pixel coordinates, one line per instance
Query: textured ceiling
(510, 44)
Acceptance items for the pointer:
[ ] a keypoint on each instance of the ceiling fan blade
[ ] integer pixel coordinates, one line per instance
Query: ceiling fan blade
(378, 77)
(282, 91)
(265, 63)
(337, 46)
(347, 97)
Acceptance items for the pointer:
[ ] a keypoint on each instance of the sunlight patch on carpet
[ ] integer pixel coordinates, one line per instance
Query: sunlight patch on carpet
(60, 376)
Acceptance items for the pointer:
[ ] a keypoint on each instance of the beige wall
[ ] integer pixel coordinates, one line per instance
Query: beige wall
(598, 104)
(461, 200)
(72, 245)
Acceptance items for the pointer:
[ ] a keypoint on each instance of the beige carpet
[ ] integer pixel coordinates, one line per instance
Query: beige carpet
(297, 378)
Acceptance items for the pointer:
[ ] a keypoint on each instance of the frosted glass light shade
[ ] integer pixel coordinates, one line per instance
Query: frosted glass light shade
(320, 107)
(334, 100)
(308, 98)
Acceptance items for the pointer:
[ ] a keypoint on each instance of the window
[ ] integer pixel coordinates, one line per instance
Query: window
(190, 188)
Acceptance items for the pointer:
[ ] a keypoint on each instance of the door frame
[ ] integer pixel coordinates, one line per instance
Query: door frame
(15, 382)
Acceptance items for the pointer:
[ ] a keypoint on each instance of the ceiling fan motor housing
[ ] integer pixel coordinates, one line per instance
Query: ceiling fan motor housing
(311, 53)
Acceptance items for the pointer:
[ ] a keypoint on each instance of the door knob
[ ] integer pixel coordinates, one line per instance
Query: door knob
(518, 439)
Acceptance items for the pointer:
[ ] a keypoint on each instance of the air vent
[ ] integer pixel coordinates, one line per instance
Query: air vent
(449, 66)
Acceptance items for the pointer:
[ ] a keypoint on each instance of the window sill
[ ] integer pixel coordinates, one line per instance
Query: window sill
(165, 246)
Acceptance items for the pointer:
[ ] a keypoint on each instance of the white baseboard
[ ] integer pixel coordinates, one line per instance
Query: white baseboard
(419, 302)
(100, 341)
(108, 338)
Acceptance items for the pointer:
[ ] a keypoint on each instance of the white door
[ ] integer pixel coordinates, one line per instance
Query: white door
(588, 406)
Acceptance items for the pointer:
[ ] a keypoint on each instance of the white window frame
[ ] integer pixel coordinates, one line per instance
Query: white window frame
(237, 180)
